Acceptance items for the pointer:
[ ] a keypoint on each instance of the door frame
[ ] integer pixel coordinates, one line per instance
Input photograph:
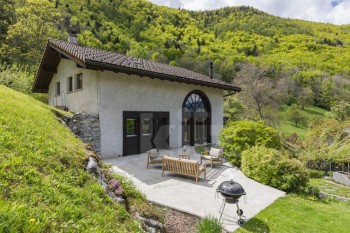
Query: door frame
(137, 115)
(193, 115)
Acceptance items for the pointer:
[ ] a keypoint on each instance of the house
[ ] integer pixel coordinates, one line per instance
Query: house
(140, 104)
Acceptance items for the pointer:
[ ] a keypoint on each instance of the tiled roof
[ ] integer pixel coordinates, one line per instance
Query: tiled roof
(107, 60)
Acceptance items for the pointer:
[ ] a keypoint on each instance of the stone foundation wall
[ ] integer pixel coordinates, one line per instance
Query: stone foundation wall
(87, 127)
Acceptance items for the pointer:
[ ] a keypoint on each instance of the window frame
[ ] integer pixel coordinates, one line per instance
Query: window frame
(58, 88)
(76, 82)
(70, 83)
(129, 132)
(146, 126)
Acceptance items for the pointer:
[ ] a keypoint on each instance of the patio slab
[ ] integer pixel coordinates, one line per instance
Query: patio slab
(201, 199)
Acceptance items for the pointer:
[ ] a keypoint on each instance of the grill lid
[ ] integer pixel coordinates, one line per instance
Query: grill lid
(231, 188)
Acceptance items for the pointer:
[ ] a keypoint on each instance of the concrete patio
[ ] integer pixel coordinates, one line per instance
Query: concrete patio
(182, 193)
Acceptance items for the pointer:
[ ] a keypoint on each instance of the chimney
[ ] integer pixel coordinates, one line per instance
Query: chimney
(211, 72)
(72, 37)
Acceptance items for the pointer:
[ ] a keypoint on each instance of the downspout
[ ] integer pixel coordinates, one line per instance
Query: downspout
(232, 93)
(98, 91)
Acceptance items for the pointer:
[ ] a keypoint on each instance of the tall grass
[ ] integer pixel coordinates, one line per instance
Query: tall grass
(43, 183)
(209, 225)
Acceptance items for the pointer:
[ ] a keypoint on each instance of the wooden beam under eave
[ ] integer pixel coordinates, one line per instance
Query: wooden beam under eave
(48, 69)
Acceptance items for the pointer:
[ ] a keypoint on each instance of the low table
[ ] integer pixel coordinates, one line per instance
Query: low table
(184, 155)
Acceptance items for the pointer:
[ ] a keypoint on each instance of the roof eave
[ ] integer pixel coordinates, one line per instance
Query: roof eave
(49, 73)
(128, 70)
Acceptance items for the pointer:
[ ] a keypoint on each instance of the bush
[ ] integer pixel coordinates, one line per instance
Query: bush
(316, 173)
(209, 225)
(274, 168)
(341, 110)
(327, 142)
(240, 135)
(311, 191)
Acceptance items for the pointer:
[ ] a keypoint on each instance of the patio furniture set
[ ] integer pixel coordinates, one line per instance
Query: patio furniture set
(183, 164)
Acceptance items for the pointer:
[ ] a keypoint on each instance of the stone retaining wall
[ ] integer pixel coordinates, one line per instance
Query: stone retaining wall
(87, 127)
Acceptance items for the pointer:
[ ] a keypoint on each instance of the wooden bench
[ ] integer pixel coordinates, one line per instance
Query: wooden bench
(183, 167)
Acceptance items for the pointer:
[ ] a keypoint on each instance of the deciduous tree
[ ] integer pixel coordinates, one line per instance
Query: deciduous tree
(296, 115)
(259, 95)
(37, 20)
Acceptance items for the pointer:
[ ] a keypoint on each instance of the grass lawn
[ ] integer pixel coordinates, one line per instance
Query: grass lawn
(43, 183)
(298, 214)
(328, 186)
(288, 127)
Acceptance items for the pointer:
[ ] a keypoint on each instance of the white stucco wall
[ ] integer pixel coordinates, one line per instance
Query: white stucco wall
(118, 92)
(80, 100)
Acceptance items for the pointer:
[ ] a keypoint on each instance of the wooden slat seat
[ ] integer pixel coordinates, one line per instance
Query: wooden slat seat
(183, 166)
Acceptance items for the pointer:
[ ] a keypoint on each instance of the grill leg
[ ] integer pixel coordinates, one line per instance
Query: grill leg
(222, 209)
(239, 211)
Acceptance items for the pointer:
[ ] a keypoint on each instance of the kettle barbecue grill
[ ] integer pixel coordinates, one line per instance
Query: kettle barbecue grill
(231, 191)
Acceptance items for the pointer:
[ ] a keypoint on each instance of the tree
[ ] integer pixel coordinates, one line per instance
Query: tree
(259, 94)
(327, 93)
(7, 17)
(341, 110)
(37, 20)
(305, 97)
(233, 108)
(296, 115)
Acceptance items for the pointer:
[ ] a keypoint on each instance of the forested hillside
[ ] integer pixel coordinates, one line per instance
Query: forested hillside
(314, 56)
(187, 38)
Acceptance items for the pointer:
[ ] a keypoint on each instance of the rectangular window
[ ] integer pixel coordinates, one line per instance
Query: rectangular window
(131, 127)
(69, 84)
(187, 129)
(196, 130)
(205, 133)
(146, 126)
(58, 88)
(79, 82)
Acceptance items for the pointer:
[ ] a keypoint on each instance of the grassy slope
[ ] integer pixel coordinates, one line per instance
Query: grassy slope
(43, 185)
(288, 127)
(296, 214)
(331, 187)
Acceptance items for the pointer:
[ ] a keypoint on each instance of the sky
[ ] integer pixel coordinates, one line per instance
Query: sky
(326, 11)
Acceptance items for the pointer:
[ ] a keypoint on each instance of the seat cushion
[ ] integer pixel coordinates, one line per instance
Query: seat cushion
(153, 153)
(206, 157)
(215, 152)
(156, 160)
(202, 168)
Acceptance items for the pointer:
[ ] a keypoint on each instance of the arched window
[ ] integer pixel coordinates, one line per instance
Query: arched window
(194, 103)
(196, 113)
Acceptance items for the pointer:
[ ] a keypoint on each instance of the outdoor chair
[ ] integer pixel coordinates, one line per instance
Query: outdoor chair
(215, 155)
(154, 157)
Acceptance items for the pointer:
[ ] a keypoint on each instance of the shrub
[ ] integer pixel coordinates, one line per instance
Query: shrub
(240, 135)
(209, 225)
(274, 168)
(327, 142)
(316, 174)
(311, 191)
(341, 110)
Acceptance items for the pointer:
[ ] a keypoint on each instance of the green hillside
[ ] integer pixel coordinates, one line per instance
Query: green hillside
(288, 127)
(312, 56)
(190, 39)
(226, 36)
(43, 183)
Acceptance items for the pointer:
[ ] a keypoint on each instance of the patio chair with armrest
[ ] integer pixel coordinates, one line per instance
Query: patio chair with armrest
(215, 155)
(154, 157)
